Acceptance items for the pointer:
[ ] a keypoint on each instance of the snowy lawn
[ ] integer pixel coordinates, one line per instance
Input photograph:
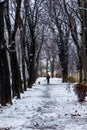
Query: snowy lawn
(45, 107)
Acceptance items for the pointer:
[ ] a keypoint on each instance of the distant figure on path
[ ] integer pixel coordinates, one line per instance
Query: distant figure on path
(48, 78)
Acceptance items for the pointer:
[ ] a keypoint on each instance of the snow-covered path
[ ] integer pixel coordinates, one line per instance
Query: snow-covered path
(45, 107)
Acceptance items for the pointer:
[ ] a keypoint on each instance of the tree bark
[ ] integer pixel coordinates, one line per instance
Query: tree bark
(4, 68)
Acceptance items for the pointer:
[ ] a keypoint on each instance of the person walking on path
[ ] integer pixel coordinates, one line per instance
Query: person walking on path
(48, 78)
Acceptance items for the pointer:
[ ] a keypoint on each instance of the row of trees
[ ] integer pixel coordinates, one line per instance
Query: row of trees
(58, 27)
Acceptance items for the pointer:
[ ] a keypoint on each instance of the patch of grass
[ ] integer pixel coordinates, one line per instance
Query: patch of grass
(71, 79)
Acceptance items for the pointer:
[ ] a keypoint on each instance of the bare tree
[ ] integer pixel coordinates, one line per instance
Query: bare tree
(73, 18)
(56, 14)
(32, 12)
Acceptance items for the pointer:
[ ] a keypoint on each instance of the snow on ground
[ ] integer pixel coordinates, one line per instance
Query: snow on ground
(45, 107)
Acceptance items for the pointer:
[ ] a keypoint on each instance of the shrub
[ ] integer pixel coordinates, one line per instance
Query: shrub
(80, 90)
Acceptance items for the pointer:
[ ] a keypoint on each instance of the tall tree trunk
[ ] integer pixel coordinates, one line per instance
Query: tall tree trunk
(32, 64)
(4, 69)
(84, 55)
(23, 72)
(63, 55)
(22, 37)
(79, 51)
(16, 76)
(52, 67)
(46, 66)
